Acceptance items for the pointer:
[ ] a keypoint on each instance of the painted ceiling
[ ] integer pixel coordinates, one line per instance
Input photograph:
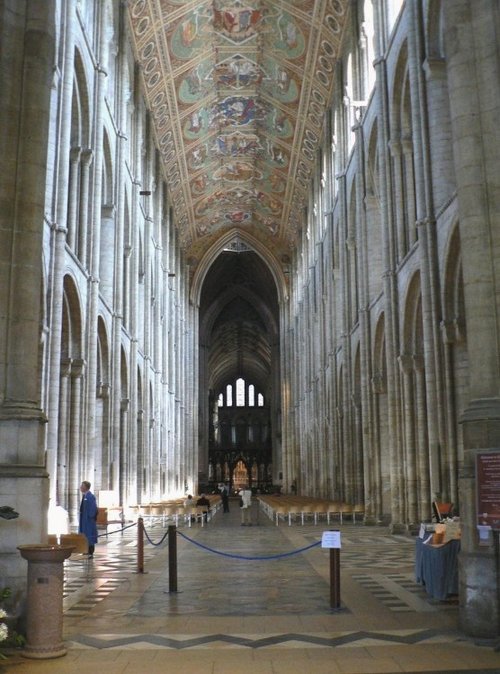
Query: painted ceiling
(237, 91)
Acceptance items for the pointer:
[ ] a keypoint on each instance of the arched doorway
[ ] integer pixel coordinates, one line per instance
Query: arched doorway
(239, 373)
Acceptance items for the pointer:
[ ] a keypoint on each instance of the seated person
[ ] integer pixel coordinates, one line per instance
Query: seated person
(189, 502)
(204, 503)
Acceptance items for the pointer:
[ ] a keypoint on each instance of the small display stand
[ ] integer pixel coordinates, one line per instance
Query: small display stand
(45, 599)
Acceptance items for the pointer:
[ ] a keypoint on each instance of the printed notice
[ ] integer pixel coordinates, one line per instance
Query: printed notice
(488, 489)
(330, 539)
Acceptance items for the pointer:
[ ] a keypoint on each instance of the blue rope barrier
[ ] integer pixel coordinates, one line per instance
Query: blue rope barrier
(233, 556)
(117, 531)
(150, 541)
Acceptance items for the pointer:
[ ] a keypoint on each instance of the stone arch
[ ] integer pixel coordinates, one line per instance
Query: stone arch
(103, 408)
(70, 452)
(72, 327)
(367, 45)
(397, 87)
(356, 472)
(372, 176)
(235, 235)
(107, 192)
(351, 257)
(80, 159)
(140, 436)
(434, 30)
(339, 468)
(382, 460)
(120, 467)
(411, 304)
(80, 108)
(416, 459)
(402, 154)
(456, 362)
(108, 216)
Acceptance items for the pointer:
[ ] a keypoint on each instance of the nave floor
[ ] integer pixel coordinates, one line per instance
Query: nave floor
(235, 616)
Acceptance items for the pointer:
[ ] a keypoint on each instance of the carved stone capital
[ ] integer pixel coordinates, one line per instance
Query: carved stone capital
(395, 148)
(77, 368)
(87, 156)
(74, 154)
(378, 383)
(405, 361)
(65, 368)
(418, 362)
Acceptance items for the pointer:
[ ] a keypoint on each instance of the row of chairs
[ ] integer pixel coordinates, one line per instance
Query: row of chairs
(175, 511)
(293, 508)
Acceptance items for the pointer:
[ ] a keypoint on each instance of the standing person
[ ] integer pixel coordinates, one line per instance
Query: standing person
(88, 516)
(224, 492)
(246, 505)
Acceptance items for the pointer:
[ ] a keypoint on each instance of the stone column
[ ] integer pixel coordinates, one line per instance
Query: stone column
(75, 464)
(438, 105)
(74, 175)
(396, 155)
(410, 494)
(27, 57)
(59, 244)
(473, 69)
(83, 224)
(407, 158)
(123, 468)
(63, 434)
(422, 448)
(390, 296)
(448, 332)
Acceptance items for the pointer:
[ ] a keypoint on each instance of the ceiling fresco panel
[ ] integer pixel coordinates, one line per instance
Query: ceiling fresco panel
(237, 91)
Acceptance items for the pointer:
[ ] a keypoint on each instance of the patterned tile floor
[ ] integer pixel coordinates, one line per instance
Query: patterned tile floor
(269, 617)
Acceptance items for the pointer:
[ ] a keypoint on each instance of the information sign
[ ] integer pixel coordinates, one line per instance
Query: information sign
(331, 539)
(488, 489)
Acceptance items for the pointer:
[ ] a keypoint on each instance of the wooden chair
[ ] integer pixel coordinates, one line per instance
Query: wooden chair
(306, 509)
(333, 508)
(357, 510)
(319, 509)
(346, 509)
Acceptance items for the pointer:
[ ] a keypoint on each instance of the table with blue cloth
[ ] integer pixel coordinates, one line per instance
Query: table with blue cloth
(436, 567)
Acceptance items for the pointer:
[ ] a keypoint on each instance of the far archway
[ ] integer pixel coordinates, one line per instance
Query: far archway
(239, 374)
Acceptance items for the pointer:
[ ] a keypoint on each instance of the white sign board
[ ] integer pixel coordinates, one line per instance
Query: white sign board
(330, 539)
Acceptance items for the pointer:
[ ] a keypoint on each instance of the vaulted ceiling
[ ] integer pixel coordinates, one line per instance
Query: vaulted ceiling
(237, 91)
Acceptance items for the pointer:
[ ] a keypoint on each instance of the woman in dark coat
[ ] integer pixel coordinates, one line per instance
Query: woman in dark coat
(88, 516)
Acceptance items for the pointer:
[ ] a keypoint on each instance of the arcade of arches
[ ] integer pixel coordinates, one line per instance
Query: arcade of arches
(251, 241)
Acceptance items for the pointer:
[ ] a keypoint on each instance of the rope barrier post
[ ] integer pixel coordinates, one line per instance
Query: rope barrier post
(172, 558)
(335, 578)
(140, 545)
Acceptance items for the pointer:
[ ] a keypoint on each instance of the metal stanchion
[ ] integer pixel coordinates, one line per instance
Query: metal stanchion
(334, 578)
(172, 558)
(140, 545)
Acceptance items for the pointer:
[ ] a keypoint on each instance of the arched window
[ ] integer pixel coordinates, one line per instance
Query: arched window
(240, 392)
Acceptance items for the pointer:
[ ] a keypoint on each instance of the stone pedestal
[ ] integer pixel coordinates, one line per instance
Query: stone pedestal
(44, 599)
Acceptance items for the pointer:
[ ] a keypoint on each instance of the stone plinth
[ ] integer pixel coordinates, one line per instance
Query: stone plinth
(45, 599)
